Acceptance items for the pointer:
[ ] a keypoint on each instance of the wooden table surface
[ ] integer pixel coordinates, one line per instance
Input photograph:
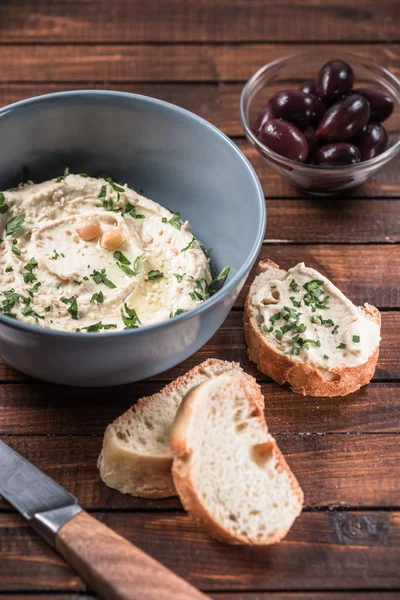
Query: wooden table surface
(344, 451)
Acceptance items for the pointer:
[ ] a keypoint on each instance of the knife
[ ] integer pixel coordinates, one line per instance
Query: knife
(111, 565)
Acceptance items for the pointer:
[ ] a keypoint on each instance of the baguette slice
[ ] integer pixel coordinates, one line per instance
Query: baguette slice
(229, 472)
(136, 458)
(337, 352)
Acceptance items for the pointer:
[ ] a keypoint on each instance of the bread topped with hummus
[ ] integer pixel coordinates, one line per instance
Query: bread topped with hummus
(302, 330)
(87, 254)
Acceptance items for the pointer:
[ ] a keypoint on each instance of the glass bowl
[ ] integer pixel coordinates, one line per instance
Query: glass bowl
(289, 73)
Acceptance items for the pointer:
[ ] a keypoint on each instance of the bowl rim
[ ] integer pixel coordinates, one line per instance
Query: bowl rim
(388, 154)
(211, 301)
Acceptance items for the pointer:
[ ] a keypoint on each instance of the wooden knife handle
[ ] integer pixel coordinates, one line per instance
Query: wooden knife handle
(114, 567)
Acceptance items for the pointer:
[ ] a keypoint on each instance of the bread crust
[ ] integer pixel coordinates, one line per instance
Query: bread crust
(145, 476)
(182, 472)
(303, 378)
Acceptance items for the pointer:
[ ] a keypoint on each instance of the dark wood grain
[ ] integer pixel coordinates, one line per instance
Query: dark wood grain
(365, 595)
(50, 410)
(325, 551)
(226, 344)
(357, 470)
(160, 63)
(376, 282)
(178, 20)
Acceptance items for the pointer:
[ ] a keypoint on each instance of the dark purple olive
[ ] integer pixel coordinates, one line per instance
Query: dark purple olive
(380, 102)
(372, 141)
(335, 79)
(344, 119)
(311, 137)
(265, 113)
(309, 87)
(293, 106)
(320, 109)
(337, 155)
(285, 139)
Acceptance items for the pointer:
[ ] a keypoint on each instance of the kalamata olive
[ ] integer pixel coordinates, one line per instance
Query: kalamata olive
(293, 106)
(335, 79)
(265, 113)
(372, 141)
(285, 139)
(381, 104)
(311, 137)
(337, 155)
(344, 119)
(309, 87)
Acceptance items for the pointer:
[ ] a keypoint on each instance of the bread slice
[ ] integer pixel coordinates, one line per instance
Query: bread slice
(229, 472)
(136, 458)
(301, 329)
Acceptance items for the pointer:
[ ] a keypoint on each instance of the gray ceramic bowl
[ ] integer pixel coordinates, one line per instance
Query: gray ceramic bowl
(178, 160)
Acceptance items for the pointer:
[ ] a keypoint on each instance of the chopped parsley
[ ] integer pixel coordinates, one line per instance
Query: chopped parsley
(164, 220)
(293, 286)
(97, 297)
(334, 330)
(154, 274)
(15, 249)
(11, 299)
(130, 318)
(341, 346)
(28, 274)
(28, 311)
(266, 329)
(175, 221)
(34, 289)
(117, 188)
(190, 244)
(47, 308)
(201, 290)
(121, 258)
(73, 306)
(9, 269)
(356, 339)
(295, 302)
(178, 277)
(179, 311)
(96, 327)
(55, 255)
(3, 206)
(13, 226)
(218, 281)
(313, 296)
(101, 277)
(326, 356)
(325, 322)
(275, 317)
(130, 209)
(64, 175)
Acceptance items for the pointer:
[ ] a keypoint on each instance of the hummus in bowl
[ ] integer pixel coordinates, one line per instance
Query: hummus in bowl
(87, 254)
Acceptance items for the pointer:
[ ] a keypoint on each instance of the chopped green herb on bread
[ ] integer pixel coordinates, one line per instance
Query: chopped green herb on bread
(302, 330)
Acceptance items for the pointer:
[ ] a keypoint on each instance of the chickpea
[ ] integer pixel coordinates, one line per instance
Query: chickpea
(89, 230)
(111, 240)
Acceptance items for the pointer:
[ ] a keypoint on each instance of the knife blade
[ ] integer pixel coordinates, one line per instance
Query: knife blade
(110, 564)
(41, 501)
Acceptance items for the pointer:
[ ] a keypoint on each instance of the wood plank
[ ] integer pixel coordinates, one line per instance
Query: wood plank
(222, 21)
(347, 470)
(323, 551)
(157, 63)
(54, 410)
(386, 183)
(228, 344)
(376, 282)
(365, 595)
